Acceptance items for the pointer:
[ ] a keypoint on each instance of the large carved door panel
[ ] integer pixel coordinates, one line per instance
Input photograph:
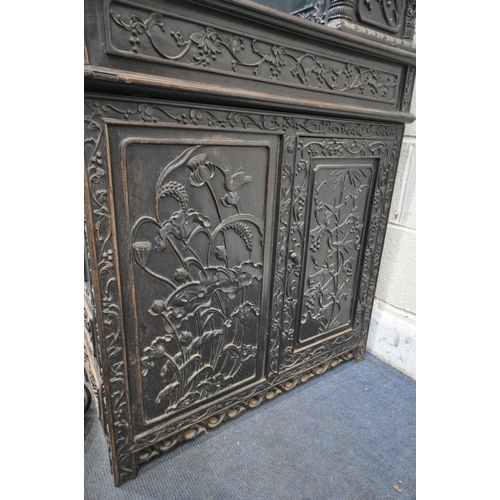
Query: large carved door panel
(195, 211)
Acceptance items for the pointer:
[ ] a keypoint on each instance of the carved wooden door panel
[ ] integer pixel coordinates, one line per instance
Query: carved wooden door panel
(339, 201)
(195, 214)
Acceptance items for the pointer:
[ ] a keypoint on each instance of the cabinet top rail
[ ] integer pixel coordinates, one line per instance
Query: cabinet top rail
(244, 53)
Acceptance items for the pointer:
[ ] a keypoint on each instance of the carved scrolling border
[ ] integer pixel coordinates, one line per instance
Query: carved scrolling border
(211, 48)
(159, 446)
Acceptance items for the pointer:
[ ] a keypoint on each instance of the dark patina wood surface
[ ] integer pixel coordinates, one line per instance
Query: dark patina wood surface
(239, 169)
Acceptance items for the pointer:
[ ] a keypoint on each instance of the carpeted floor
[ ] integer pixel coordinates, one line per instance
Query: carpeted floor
(344, 435)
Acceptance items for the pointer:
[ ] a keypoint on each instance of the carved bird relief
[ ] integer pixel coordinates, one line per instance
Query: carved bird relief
(232, 182)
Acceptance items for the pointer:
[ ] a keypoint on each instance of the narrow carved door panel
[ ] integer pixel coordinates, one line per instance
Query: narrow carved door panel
(340, 195)
(336, 221)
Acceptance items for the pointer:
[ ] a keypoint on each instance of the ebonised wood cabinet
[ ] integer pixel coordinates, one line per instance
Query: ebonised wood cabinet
(239, 167)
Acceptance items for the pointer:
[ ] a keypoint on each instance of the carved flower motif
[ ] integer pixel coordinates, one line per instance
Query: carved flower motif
(202, 170)
(181, 275)
(157, 307)
(181, 225)
(185, 338)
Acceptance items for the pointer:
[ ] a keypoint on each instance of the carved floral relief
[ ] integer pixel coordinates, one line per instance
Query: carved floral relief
(206, 253)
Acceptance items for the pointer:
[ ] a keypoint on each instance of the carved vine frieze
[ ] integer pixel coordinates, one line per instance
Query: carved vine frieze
(288, 125)
(207, 47)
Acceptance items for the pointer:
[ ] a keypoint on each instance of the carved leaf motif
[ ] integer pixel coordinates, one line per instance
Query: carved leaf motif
(242, 312)
(236, 43)
(220, 252)
(243, 231)
(247, 352)
(180, 225)
(208, 40)
(203, 339)
(185, 338)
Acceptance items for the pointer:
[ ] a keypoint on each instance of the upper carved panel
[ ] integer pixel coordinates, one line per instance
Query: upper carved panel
(397, 17)
(385, 14)
(167, 38)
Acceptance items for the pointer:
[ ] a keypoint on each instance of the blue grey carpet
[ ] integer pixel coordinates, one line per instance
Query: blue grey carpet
(348, 434)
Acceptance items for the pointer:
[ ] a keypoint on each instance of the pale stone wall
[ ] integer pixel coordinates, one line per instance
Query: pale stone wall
(392, 335)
